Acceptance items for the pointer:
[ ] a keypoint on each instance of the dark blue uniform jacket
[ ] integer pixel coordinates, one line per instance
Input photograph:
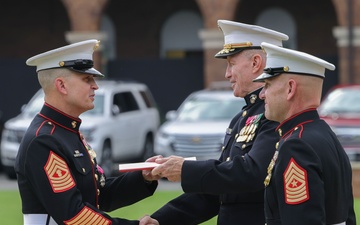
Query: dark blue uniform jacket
(311, 180)
(57, 175)
(233, 186)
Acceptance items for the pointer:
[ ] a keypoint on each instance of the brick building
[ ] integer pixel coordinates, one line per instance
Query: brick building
(168, 44)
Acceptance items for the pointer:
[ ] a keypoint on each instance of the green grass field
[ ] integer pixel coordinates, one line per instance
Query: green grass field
(10, 207)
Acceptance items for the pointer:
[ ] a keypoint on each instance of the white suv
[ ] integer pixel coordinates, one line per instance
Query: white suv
(121, 127)
(198, 127)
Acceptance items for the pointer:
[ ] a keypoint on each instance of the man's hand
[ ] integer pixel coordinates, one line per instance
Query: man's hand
(147, 220)
(148, 176)
(169, 167)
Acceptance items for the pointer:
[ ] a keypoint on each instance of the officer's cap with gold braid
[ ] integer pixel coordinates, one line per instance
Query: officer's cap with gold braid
(240, 36)
(77, 57)
(282, 60)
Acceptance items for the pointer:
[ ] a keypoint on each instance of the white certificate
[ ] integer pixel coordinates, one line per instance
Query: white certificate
(126, 167)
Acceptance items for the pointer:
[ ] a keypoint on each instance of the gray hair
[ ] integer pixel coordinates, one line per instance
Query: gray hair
(250, 52)
(47, 77)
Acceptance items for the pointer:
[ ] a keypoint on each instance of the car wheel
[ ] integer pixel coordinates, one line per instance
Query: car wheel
(106, 160)
(148, 148)
(10, 172)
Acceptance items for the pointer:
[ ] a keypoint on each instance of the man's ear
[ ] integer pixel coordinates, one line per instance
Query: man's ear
(60, 85)
(291, 88)
(257, 63)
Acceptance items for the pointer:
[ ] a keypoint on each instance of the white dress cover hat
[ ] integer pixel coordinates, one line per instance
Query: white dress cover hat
(241, 36)
(282, 60)
(77, 57)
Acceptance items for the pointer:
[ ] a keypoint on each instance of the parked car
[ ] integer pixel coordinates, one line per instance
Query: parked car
(197, 128)
(121, 126)
(340, 108)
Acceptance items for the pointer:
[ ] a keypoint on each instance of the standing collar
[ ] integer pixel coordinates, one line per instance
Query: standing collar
(60, 118)
(305, 116)
(253, 97)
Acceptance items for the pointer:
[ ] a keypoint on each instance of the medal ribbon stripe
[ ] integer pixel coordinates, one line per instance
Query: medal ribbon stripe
(295, 184)
(58, 174)
(88, 216)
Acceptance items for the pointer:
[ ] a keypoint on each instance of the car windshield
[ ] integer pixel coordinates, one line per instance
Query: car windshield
(342, 100)
(209, 109)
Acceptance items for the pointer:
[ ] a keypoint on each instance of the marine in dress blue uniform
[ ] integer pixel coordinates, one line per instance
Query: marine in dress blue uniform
(232, 186)
(58, 176)
(309, 178)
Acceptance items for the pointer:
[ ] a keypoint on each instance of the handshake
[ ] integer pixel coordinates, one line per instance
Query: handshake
(155, 168)
(158, 167)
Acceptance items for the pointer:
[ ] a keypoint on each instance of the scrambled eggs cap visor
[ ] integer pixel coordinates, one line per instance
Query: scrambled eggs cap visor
(240, 36)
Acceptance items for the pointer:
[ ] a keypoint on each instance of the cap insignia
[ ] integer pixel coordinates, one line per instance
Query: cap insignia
(73, 124)
(97, 45)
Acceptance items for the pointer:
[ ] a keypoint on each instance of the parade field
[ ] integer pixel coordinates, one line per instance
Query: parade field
(10, 207)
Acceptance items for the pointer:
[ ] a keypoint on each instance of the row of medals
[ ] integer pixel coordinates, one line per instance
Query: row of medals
(247, 133)
(92, 154)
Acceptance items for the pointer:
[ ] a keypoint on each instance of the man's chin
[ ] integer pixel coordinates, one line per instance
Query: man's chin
(236, 94)
(90, 107)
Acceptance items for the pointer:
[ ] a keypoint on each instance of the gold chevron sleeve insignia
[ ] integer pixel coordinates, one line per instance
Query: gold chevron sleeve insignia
(295, 184)
(88, 216)
(58, 174)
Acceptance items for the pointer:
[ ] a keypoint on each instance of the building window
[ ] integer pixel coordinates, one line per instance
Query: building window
(280, 20)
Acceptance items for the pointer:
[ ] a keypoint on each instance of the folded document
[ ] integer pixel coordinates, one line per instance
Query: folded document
(126, 167)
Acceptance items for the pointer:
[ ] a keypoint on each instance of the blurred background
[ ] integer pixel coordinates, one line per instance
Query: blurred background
(168, 44)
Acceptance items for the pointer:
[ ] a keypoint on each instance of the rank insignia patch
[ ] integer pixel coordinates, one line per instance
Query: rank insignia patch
(88, 216)
(58, 173)
(295, 184)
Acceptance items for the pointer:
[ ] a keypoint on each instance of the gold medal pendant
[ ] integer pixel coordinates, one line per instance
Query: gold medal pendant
(242, 131)
(254, 128)
(251, 128)
(242, 138)
(246, 131)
